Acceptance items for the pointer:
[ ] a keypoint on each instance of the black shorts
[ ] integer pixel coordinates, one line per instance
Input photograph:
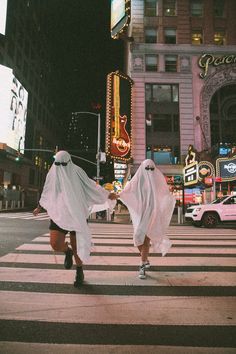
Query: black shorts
(54, 226)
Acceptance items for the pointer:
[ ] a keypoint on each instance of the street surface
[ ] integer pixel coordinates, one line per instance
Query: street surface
(186, 305)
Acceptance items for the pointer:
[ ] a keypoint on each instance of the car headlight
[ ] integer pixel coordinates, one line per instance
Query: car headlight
(197, 210)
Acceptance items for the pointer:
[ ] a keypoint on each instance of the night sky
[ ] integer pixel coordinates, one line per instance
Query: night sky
(83, 52)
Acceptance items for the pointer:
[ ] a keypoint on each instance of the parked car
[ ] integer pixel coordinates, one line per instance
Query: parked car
(189, 211)
(220, 210)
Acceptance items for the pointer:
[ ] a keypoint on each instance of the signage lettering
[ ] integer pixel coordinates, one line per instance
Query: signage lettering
(208, 59)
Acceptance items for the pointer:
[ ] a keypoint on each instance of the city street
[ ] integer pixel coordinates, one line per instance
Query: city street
(187, 303)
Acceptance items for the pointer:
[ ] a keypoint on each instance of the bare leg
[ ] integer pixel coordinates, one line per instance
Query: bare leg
(74, 248)
(144, 249)
(57, 241)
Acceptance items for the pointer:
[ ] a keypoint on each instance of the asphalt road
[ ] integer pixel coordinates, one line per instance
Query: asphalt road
(15, 232)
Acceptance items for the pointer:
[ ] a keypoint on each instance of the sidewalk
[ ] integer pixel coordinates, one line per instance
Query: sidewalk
(119, 218)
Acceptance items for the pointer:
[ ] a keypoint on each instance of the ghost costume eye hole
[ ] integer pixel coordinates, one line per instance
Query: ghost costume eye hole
(61, 163)
(149, 168)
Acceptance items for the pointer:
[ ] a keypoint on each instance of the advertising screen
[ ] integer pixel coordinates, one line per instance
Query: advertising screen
(120, 16)
(3, 15)
(117, 11)
(13, 110)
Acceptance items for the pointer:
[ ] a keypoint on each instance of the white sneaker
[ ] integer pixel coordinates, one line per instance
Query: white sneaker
(142, 274)
(147, 265)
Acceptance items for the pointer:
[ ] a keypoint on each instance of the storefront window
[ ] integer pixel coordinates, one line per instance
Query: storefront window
(162, 93)
(162, 123)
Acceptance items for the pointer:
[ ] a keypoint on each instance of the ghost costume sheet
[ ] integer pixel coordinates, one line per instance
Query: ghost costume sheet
(150, 206)
(68, 196)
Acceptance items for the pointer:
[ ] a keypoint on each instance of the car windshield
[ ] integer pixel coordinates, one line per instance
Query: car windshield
(219, 200)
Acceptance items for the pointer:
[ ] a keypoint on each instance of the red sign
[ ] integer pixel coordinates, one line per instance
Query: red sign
(208, 180)
(218, 179)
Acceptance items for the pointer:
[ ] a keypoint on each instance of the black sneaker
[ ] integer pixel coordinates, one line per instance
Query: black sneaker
(79, 279)
(68, 259)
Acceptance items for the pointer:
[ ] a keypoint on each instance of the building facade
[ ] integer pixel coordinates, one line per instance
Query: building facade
(181, 55)
(24, 49)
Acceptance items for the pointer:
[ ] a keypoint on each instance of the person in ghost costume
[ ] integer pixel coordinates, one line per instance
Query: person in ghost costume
(69, 196)
(151, 206)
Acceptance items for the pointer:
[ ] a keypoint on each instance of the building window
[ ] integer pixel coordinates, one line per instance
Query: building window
(151, 62)
(171, 63)
(197, 36)
(219, 6)
(170, 36)
(150, 35)
(219, 37)
(151, 8)
(161, 93)
(196, 8)
(169, 8)
(162, 123)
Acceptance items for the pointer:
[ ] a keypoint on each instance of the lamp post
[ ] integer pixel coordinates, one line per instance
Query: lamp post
(99, 139)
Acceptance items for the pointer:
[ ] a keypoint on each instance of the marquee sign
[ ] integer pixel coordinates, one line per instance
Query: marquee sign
(226, 168)
(205, 170)
(207, 60)
(119, 116)
(190, 173)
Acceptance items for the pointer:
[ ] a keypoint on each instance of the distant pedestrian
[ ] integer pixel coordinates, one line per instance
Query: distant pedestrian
(68, 197)
(151, 206)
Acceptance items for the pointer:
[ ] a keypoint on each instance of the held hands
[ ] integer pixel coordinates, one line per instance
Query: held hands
(113, 196)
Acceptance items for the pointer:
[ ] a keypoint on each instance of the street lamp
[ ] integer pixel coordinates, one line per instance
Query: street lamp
(99, 139)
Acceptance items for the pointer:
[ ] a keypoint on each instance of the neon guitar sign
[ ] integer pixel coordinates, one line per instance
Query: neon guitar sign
(120, 139)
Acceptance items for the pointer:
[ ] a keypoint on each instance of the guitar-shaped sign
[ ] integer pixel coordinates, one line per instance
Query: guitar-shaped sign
(120, 140)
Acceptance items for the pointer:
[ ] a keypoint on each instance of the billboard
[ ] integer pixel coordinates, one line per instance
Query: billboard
(119, 116)
(226, 168)
(13, 110)
(120, 16)
(3, 16)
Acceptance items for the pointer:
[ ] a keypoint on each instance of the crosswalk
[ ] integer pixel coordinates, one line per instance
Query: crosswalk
(25, 216)
(187, 303)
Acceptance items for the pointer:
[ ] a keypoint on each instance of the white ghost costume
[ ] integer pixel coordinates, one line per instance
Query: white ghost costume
(69, 196)
(150, 205)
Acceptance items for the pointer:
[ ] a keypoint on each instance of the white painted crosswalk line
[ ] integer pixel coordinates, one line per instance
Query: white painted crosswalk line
(25, 216)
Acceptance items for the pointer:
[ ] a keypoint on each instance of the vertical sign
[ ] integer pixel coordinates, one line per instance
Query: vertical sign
(119, 116)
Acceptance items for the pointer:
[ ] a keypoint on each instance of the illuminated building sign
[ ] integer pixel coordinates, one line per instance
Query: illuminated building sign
(120, 16)
(205, 170)
(226, 168)
(3, 16)
(206, 60)
(191, 174)
(13, 110)
(119, 116)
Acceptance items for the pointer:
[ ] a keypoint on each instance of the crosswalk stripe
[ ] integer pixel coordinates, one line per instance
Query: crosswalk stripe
(44, 307)
(193, 287)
